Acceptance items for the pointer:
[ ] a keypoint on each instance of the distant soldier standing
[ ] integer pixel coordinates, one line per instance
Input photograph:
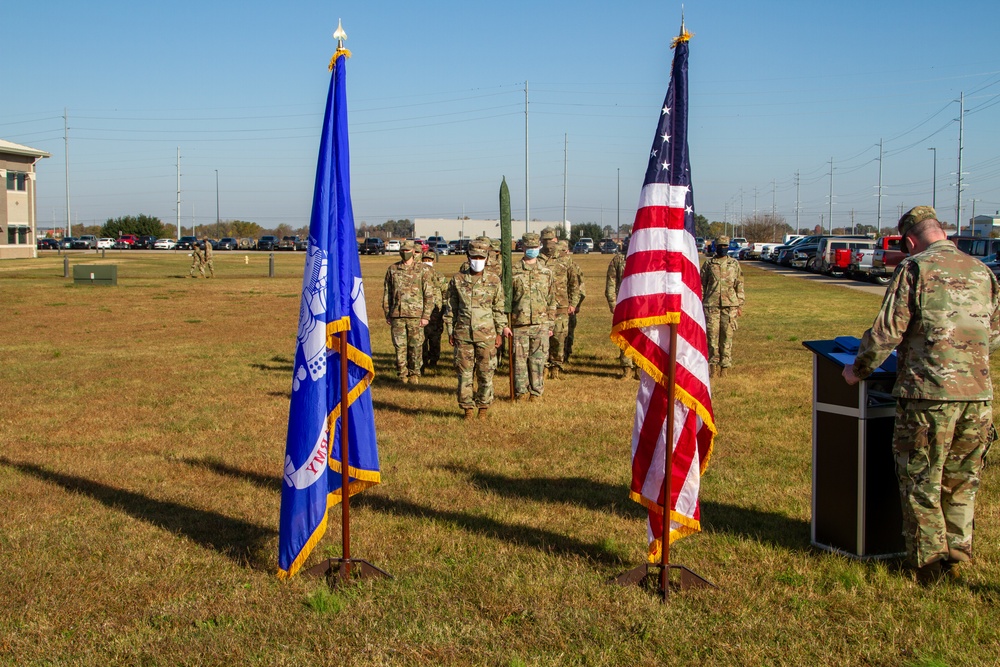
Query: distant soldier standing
(208, 262)
(407, 301)
(722, 297)
(533, 309)
(578, 272)
(475, 321)
(435, 327)
(612, 284)
(197, 261)
(566, 290)
(941, 312)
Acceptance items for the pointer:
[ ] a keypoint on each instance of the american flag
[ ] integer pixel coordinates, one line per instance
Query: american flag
(662, 286)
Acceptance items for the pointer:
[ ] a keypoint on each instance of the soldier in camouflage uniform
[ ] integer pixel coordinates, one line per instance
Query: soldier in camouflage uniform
(435, 327)
(197, 261)
(533, 312)
(578, 273)
(722, 298)
(567, 293)
(494, 263)
(208, 261)
(408, 301)
(613, 283)
(476, 324)
(942, 313)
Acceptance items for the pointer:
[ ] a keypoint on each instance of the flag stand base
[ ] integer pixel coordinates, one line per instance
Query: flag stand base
(647, 575)
(341, 570)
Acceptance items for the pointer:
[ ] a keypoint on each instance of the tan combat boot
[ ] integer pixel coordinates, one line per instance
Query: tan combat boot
(554, 373)
(723, 372)
(469, 413)
(712, 370)
(414, 379)
(483, 413)
(636, 373)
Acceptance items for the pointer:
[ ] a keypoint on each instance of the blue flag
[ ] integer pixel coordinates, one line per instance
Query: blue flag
(333, 300)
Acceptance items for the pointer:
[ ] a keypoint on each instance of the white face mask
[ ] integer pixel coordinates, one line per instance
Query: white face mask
(477, 264)
(430, 264)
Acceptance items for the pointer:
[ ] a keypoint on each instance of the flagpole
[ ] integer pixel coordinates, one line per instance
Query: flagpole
(345, 475)
(668, 464)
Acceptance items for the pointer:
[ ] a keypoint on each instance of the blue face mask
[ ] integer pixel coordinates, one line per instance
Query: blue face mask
(531, 253)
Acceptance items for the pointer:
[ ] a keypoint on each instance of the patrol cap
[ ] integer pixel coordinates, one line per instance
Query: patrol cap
(563, 245)
(914, 217)
(479, 248)
(722, 240)
(531, 240)
(431, 255)
(548, 233)
(495, 244)
(406, 245)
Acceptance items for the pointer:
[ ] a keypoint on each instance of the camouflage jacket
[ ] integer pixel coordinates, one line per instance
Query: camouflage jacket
(208, 252)
(942, 312)
(475, 310)
(565, 281)
(581, 288)
(721, 283)
(494, 265)
(534, 300)
(409, 291)
(613, 283)
(440, 282)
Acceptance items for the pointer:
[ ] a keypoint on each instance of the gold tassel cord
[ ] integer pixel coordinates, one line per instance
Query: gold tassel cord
(342, 51)
(685, 36)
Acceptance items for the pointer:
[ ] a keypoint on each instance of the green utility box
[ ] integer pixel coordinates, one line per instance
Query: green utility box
(97, 274)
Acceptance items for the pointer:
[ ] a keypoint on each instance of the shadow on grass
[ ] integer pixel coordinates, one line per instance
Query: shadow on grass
(238, 540)
(270, 482)
(573, 370)
(536, 538)
(769, 527)
(392, 407)
(278, 368)
(280, 394)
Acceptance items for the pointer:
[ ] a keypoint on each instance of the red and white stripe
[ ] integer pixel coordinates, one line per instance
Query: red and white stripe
(662, 285)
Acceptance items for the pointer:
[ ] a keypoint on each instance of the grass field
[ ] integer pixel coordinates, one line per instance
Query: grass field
(142, 434)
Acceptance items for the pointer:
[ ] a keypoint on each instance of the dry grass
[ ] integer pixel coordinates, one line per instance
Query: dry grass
(142, 432)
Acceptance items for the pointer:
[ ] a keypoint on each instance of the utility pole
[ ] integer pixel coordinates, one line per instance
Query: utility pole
(218, 219)
(773, 189)
(527, 207)
(961, 133)
(66, 139)
(878, 217)
(797, 207)
(178, 193)
(934, 181)
(831, 195)
(619, 221)
(565, 167)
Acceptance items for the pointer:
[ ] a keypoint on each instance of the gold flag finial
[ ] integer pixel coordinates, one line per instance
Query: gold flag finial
(340, 36)
(685, 36)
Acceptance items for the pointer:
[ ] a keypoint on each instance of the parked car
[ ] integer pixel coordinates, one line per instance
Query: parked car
(588, 241)
(245, 244)
(459, 247)
(128, 239)
(289, 243)
(144, 242)
(610, 247)
(994, 264)
(835, 254)
(67, 242)
(977, 246)
(421, 244)
(581, 248)
(47, 244)
(392, 245)
(228, 243)
(87, 242)
(699, 243)
(164, 244)
(372, 246)
(432, 241)
(441, 248)
(215, 244)
(186, 243)
(105, 244)
(267, 242)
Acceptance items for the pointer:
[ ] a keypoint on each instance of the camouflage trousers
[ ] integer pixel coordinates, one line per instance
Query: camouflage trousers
(720, 329)
(939, 447)
(531, 349)
(408, 339)
(210, 265)
(196, 265)
(479, 359)
(570, 337)
(432, 341)
(557, 342)
(625, 360)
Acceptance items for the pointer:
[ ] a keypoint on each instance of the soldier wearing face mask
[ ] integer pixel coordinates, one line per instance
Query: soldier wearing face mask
(408, 300)
(475, 319)
(533, 312)
(566, 289)
(435, 327)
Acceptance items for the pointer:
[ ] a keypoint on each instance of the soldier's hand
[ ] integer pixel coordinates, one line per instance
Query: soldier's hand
(739, 312)
(451, 341)
(424, 322)
(507, 332)
(551, 332)
(571, 310)
(849, 375)
(388, 321)
(499, 341)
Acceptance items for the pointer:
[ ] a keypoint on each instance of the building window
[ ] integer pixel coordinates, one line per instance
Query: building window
(17, 180)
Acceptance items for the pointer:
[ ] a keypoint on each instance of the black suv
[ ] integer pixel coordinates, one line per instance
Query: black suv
(267, 243)
(372, 246)
(186, 243)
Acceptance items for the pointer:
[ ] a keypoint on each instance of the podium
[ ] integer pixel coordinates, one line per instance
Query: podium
(855, 499)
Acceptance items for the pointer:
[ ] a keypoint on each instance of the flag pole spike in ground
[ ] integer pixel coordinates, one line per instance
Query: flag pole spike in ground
(507, 274)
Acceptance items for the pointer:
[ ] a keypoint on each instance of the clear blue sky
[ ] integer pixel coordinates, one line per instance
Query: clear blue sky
(436, 98)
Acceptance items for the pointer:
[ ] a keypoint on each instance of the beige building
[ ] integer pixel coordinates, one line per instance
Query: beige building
(452, 229)
(17, 200)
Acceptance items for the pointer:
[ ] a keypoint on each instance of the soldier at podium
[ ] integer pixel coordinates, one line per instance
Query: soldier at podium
(942, 312)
